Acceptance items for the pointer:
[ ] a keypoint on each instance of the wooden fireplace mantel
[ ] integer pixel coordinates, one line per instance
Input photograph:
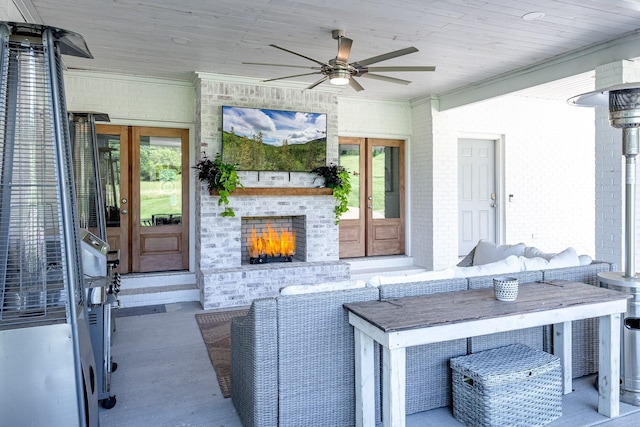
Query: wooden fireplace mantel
(282, 191)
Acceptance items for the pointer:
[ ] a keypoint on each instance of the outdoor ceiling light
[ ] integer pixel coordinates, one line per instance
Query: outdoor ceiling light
(532, 16)
(339, 77)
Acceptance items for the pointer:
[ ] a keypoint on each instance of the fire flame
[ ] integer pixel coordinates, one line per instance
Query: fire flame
(271, 243)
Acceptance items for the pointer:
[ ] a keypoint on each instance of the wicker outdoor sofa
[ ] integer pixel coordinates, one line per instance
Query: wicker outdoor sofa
(292, 356)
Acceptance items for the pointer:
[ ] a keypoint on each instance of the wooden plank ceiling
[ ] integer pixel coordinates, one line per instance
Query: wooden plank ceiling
(467, 40)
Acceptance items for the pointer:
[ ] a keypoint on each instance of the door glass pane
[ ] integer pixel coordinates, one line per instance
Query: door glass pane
(385, 166)
(160, 181)
(350, 160)
(109, 163)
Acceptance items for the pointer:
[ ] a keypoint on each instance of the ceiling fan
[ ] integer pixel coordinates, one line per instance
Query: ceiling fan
(339, 71)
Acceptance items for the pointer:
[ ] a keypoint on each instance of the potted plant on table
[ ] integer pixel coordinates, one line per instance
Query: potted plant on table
(221, 178)
(338, 179)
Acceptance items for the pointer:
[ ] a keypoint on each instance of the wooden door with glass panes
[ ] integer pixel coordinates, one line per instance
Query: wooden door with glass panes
(374, 222)
(150, 198)
(113, 162)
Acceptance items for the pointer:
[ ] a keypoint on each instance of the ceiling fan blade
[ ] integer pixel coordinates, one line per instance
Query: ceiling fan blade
(385, 78)
(288, 77)
(344, 49)
(355, 85)
(385, 69)
(317, 83)
(282, 65)
(388, 55)
(299, 54)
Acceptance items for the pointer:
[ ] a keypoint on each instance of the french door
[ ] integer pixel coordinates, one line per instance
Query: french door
(374, 223)
(144, 173)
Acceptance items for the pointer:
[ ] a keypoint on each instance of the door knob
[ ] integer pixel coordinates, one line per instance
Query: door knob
(123, 211)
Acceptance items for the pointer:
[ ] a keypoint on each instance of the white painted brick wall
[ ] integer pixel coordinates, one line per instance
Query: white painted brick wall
(374, 119)
(549, 168)
(421, 179)
(129, 99)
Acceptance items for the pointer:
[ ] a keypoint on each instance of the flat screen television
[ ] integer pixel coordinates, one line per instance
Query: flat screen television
(258, 139)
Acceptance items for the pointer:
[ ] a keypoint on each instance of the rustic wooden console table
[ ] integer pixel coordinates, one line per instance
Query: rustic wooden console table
(404, 322)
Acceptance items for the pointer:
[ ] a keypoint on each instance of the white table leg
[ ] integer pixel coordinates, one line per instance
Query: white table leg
(365, 380)
(609, 366)
(394, 372)
(562, 348)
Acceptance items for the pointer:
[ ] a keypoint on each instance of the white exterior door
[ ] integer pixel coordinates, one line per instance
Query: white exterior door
(476, 193)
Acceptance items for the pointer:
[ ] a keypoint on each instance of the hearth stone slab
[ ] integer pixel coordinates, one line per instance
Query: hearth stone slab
(237, 287)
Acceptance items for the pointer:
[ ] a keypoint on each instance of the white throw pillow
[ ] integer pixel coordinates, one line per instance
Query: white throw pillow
(322, 287)
(447, 273)
(585, 259)
(467, 261)
(510, 264)
(566, 258)
(532, 252)
(487, 252)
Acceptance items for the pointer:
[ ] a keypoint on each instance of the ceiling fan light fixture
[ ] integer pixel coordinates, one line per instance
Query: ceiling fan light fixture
(339, 77)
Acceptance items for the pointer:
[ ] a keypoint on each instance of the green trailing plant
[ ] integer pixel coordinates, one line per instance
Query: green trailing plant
(221, 178)
(339, 180)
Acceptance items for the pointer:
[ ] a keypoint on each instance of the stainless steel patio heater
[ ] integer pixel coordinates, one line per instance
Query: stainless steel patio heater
(624, 113)
(102, 283)
(47, 364)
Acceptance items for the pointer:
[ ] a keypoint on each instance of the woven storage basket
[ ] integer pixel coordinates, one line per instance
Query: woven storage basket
(507, 386)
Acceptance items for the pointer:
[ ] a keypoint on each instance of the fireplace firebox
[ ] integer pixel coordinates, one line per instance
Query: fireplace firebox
(273, 239)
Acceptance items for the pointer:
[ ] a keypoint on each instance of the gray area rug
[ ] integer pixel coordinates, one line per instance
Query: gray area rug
(215, 328)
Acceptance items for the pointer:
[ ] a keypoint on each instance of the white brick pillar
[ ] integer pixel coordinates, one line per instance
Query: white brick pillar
(610, 170)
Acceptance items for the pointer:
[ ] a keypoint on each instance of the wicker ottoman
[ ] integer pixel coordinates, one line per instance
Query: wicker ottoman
(507, 386)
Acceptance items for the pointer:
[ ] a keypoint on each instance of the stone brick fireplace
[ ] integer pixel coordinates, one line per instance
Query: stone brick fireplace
(226, 277)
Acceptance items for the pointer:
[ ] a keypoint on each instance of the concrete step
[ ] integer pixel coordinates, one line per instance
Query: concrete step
(142, 289)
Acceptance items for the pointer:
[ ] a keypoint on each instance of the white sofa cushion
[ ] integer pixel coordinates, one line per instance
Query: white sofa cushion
(447, 273)
(533, 263)
(510, 264)
(566, 258)
(533, 252)
(322, 287)
(487, 252)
